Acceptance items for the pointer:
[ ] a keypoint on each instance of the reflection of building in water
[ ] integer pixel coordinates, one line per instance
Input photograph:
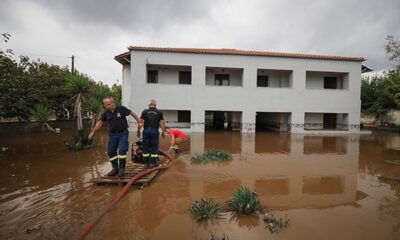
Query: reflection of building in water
(323, 185)
(281, 144)
(228, 141)
(326, 144)
(291, 171)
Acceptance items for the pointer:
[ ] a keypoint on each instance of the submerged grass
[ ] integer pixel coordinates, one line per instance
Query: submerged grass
(275, 225)
(215, 237)
(244, 201)
(212, 155)
(204, 209)
(80, 140)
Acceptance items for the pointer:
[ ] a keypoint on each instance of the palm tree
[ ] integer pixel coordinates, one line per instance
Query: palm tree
(42, 114)
(101, 91)
(95, 107)
(80, 86)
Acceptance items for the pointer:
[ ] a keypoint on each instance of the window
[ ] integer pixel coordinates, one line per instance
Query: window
(183, 116)
(152, 76)
(221, 79)
(185, 77)
(330, 82)
(262, 81)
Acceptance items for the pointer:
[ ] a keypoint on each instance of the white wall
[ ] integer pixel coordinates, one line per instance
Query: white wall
(126, 83)
(247, 98)
(171, 119)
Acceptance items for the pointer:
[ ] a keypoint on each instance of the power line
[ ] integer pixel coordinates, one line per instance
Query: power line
(38, 54)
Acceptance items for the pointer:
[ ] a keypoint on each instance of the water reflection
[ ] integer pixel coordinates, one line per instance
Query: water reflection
(289, 171)
(245, 222)
(323, 185)
(46, 190)
(281, 143)
(323, 145)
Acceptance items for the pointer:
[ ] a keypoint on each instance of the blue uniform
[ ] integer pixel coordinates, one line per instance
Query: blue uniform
(118, 135)
(152, 118)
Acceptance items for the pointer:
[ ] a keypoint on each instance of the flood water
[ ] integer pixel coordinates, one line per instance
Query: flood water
(328, 187)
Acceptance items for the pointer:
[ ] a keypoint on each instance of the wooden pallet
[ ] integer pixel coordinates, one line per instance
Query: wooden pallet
(131, 170)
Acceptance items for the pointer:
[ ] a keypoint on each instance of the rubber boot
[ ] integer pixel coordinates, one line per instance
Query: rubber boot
(114, 171)
(147, 162)
(122, 163)
(121, 172)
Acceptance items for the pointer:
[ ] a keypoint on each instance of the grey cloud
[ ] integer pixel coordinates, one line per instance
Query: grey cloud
(98, 30)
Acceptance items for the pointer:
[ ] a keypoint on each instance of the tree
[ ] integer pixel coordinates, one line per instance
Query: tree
(80, 86)
(381, 94)
(42, 114)
(392, 48)
(6, 52)
(116, 92)
(95, 107)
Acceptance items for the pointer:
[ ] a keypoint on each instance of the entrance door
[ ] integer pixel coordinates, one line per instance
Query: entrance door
(329, 120)
(219, 120)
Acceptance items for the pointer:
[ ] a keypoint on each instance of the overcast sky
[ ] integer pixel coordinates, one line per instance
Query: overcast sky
(97, 30)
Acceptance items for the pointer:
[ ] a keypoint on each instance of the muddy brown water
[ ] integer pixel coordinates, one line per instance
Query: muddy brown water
(328, 187)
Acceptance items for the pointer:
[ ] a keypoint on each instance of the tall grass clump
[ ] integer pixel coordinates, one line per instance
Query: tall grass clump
(80, 140)
(244, 201)
(212, 155)
(205, 209)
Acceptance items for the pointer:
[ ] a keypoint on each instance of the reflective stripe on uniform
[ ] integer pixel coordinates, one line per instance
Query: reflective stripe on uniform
(122, 156)
(146, 154)
(113, 158)
(154, 155)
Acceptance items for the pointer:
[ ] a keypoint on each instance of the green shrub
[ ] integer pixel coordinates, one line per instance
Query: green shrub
(80, 140)
(212, 155)
(245, 201)
(205, 209)
(275, 225)
(42, 114)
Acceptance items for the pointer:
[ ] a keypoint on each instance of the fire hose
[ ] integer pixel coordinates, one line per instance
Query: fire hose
(122, 193)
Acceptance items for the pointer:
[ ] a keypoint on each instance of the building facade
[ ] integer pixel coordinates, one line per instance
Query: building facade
(201, 89)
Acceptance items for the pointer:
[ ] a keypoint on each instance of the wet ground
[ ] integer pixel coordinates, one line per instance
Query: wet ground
(327, 186)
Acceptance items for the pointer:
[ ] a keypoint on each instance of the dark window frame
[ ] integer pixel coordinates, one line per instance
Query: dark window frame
(152, 76)
(330, 82)
(185, 77)
(184, 116)
(265, 78)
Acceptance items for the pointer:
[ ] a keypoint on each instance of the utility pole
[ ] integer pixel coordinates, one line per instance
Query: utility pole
(72, 64)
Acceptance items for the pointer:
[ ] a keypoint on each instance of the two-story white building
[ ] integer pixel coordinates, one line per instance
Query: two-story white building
(203, 89)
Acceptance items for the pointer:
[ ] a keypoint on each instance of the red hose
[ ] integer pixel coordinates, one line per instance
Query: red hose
(131, 181)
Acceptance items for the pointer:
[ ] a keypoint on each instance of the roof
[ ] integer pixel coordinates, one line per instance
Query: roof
(125, 57)
(365, 69)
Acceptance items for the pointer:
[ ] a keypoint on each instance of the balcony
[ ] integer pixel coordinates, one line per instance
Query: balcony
(327, 80)
(169, 74)
(216, 76)
(274, 78)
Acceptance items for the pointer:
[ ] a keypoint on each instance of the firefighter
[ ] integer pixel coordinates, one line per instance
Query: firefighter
(118, 143)
(151, 119)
